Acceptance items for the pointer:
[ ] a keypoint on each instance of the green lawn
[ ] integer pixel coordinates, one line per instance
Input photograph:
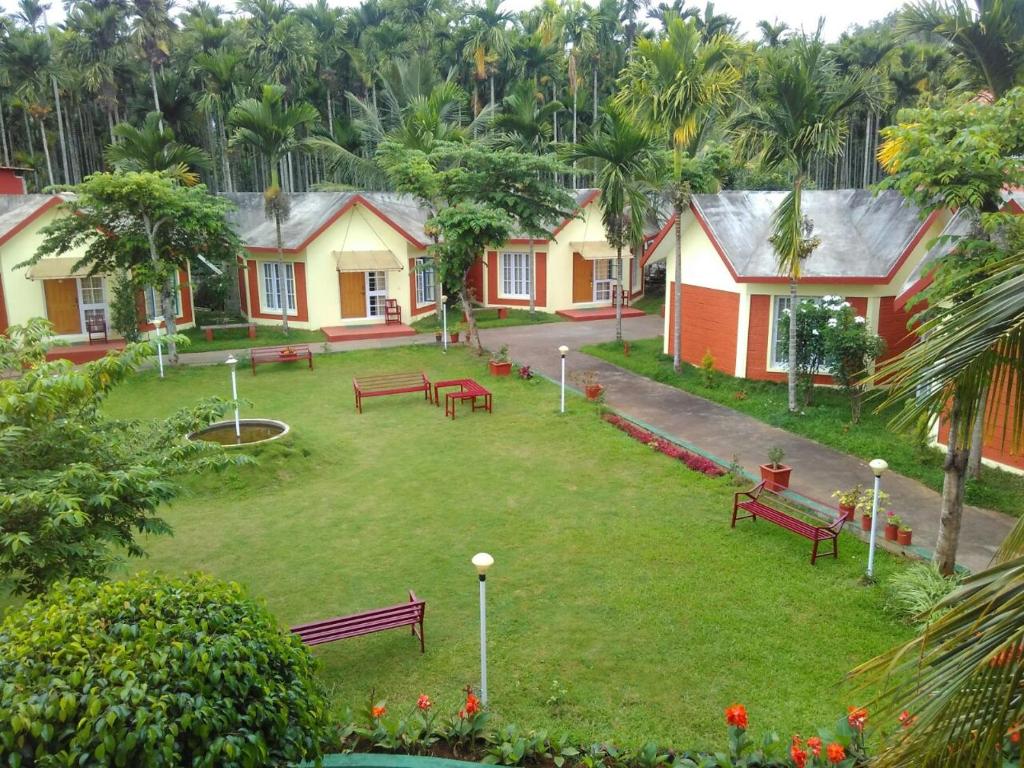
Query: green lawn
(238, 338)
(827, 421)
(617, 574)
(488, 318)
(650, 304)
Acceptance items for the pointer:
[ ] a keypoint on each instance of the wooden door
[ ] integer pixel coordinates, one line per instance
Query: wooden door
(353, 293)
(582, 279)
(62, 305)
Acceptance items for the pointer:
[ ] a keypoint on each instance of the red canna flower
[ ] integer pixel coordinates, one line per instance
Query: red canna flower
(1014, 733)
(472, 704)
(907, 719)
(424, 702)
(736, 715)
(814, 744)
(462, 714)
(378, 712)
(836, 753)
(798, 753)
(857, 718)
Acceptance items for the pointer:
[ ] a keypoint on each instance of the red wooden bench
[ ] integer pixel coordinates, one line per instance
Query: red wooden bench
(389, 384)
(208, 330)
(408, 614)
(467, 390)
(784, 516)
(286, 354)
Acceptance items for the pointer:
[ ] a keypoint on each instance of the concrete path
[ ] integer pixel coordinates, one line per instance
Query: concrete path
(318, 347)
(723, 433)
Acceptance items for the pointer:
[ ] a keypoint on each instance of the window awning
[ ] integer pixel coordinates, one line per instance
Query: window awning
(367, 261)
(597, 250)
(55, 268)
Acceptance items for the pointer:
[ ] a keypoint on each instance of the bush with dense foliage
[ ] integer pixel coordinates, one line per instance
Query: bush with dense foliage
(913, 592)
(154, 671)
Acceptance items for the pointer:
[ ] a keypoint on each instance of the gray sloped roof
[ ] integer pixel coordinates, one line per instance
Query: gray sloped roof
(311, 211)
(863, 234)
(14, 209)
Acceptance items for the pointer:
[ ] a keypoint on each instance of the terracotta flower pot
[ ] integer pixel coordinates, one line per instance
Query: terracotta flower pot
(593, 391)
(865, 522)
(904, 537)
(891, 532)
(847, 510)
(454, 337)
(775, 478)
(502, 313)
(437, 337)
(499, 368)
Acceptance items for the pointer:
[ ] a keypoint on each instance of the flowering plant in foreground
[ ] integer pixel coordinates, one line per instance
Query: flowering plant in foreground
(466, 733)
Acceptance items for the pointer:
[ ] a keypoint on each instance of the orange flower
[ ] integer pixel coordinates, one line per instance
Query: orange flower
(736, 715)
(907, 719)
(424, 702)
(814, 744)
(857, 718)
(797, 752)
(836, 753)
(378, 712)
(462, 714)
(1014, 733)
(472, 704)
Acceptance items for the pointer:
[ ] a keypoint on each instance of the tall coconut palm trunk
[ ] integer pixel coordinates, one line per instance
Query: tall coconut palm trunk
(60, 132)
(618, 291)
(282, 275)
(46, 151)
(677, 295)
(954, 470)
(977, 439)
(791, 377)
(533, 278)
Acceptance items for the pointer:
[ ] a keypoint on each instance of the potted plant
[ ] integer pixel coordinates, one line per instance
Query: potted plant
(288, 352)
(892, 526)
(500, 364)
(591, 387)
(454, 333)
(775, 474)
(502, 313)
(905, 535)
(848, 500)
(867, 503)
(865, 519)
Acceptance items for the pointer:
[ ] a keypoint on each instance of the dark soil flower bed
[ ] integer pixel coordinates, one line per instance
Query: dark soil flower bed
(692, 460)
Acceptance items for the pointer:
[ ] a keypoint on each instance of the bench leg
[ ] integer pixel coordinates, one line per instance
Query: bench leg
(814, 552)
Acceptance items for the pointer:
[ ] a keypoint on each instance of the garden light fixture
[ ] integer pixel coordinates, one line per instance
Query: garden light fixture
(562, 350)
(878, 466)
(231, 362)
(482, 562)
(157, 322)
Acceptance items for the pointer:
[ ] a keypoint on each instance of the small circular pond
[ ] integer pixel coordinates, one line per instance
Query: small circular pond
(251, 432)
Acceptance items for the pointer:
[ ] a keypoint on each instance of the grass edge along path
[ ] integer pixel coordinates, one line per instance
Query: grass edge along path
(616, 568)
(826, 421)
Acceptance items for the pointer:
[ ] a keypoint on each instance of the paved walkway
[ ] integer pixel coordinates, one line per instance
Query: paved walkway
(724, 433)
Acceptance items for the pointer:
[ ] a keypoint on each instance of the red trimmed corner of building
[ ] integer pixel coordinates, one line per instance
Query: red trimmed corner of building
(413, 309)
(301, 303)
(493, 276)
(184, 292)
(710, 324)
(998, 443)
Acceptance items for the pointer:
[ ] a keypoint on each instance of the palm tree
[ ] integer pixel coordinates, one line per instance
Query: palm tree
(272, 130)
(630, 165)
(773, 33)
(679, 85)
(489, 42)
(987, 37)
(578, 34)
(27, 58)
(524, 122)
(151, 31)
(800, 113)
(219, 72)
(154, 148)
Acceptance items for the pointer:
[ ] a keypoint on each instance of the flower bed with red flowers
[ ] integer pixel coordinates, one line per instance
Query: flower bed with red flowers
(692, 460)
(465, 734)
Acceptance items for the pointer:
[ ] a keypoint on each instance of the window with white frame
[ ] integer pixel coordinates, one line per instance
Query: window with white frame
(152, 296)
(636, 272)
(779, 356)
(424, 281)
(605, 277)
(272, 276)
(515, 275)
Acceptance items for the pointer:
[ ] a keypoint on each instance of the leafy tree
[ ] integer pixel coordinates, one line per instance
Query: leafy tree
(155, 671)
(154, 148)
(271, 128)
(78, 488)
(800, 113)
(145, 223)
(850, 349)
(961, 158)
(680, 85)
(630, 167)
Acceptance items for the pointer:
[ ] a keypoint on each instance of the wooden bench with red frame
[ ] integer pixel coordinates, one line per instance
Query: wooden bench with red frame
(467, 390)
(382, 384)
(761, 503)
(285, 354)
(408, 614)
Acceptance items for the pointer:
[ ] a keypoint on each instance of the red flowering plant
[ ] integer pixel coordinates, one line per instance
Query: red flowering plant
(465, 729)
(412, 732)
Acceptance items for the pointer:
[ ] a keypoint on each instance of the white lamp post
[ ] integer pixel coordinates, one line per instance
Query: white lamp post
(444, 321)
(878, 466)
(562, 351)
(231, 362)
(157, 322)
(482, 561)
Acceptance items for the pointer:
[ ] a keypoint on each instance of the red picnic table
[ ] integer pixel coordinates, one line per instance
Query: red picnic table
(467, 390)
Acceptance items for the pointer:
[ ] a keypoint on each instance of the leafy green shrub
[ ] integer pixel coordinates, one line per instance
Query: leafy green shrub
(124, 313)
(911, 594)
(154, 671)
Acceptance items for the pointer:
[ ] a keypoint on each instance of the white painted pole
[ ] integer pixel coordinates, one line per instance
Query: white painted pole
(562, 350)
(444, 320)
(878, 466)
(232, 362)
(158, 321)
(483, 638)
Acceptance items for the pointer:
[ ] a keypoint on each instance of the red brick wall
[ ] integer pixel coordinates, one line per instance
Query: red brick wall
(301, 304)
(892, 326)
(710, 322)
(11, 183)
(475, 280)
(493, 275)
(998, 443)
(760, 333)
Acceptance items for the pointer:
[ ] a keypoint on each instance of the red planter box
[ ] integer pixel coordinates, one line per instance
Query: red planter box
(847, 510)
(500, 369)
(891, 532)
(775, 478)
(904, 538)
(502, 313)
(593, 391)
(865, 522)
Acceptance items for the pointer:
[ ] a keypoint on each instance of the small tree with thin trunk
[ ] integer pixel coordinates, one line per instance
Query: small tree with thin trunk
(271, 128)
(144, 223)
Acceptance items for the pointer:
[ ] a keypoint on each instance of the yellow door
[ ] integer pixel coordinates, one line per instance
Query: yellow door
(582, 279)
(62, 305)
(353, 293)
